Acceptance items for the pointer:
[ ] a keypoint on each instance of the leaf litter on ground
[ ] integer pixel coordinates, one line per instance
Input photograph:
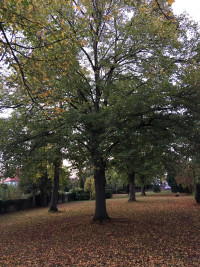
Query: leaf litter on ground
(156, 230)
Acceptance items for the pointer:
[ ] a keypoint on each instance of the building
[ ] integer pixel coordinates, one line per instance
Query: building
(11, 181)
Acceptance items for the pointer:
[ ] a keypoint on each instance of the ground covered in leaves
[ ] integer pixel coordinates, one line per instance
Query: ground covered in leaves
(156, 230)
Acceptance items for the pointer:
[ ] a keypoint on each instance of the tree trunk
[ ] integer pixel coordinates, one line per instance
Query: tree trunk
(132, 186)
(54, 197)
(34, 200)
(43, 198)
(116, 189)
(100, 183)
(143, 191)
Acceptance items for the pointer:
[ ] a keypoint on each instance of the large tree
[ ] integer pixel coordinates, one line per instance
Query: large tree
(96, 64)
(31, 145)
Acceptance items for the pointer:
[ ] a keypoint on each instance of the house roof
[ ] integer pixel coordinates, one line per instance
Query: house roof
(15, 179)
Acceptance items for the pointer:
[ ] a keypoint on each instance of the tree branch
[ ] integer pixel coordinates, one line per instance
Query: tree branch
(18, 64)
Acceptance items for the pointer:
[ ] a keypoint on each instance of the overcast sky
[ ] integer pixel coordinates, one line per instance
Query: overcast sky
(192, 7)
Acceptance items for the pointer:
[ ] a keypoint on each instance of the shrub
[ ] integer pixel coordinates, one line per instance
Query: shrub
(156, 188)
(5, 205)
(15, 192)
(4, 192)
(9, 192)
(89, 187)
(21, 204)
(197, 192)
(15, 204)
(108, 193)
(78, 194)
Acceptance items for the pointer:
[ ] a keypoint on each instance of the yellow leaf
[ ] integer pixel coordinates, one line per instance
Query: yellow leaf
(170, 2)
(13, 18)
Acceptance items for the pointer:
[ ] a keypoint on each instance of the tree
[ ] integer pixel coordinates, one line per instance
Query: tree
(197, 192)
(24, 150)
(141, 154)
(172, 183)
(185, 176)
(54, 196)
(96, 64)
(116, 180)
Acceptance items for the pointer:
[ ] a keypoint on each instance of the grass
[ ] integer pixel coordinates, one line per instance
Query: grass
(156, 230)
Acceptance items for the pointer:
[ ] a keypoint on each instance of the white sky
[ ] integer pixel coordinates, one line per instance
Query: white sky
(192, 7)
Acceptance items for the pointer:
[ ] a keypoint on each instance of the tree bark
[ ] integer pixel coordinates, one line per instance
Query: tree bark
(132, 186)
(34, 200)
(54, 197)
(116, 189)
(143, 191)
(100, 196)
(43, 196)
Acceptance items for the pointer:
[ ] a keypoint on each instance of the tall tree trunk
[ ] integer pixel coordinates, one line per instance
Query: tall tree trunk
(43, 197)
(131, 177)
(143, 191)
(34, 199)
(116, 189)
(100, 196)
(54, 197)
(142, 181)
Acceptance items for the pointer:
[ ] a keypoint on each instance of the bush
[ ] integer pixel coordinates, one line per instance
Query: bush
(10, 192)
(16, 204)
(21, 204)
(108, 193)
(197, 192)
(89, 187)
(156, 188)
(42, 200)
(4, 192)
(5, 205)
(78, 194)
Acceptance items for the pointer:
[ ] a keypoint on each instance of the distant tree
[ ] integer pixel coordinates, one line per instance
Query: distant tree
(172, 182)
(185, 176)
(116, 180)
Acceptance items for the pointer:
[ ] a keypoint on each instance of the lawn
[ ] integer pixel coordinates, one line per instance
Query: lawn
(156, 230)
